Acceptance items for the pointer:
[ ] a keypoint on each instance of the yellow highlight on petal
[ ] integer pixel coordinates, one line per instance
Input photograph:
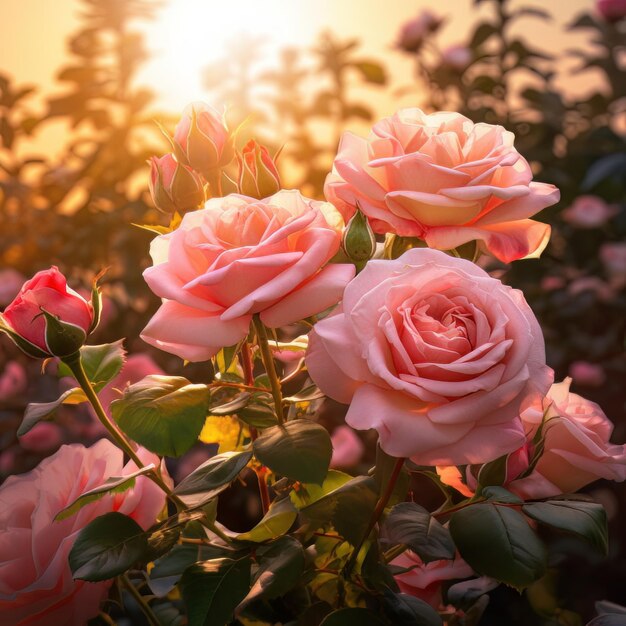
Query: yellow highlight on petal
(227, 431)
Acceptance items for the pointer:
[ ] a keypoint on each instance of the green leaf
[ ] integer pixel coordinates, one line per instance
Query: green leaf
(225, 358)
(232, 406)
(169, 568)
(38, 411)
(301, 450)
(310, 493)
(281, 565)
(114, 484)
(497, 541)
(165, 414)
(258, 415)
(585, 519)
(101, 363)
(348, 508)
(107, 547)
(371, 71)
(276, 522)
(353, 617)
(213, 589)
(500, 494)
(211, 478)
(308, 394)
(493, 473)
(412, 525)
(405, 610)
(483, 32)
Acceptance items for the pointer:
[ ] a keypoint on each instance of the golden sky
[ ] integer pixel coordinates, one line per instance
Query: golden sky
(189, 34)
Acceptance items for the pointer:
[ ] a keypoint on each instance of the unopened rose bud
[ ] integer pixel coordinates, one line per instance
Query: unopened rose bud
(47, 318)
(258, 174)
(415, 31)
(359, 242)
(612, 10)
(203, 140)
(173, 186)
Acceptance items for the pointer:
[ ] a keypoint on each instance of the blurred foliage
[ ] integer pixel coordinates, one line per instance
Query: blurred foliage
(75, 207)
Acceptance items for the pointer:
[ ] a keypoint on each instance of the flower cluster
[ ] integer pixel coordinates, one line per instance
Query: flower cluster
(443, 363)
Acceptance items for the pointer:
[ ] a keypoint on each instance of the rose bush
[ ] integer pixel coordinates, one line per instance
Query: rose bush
(36, 585)
(238, 257)
(445, 180)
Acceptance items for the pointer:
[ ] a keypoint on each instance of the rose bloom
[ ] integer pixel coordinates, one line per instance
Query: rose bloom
(238, 257)
(414, 32)
(13, 380)
(577, 447)
(588, 374)
(47, 290)
(445, 180)
(36, 586)
(613, 256)
(425, 579)
(457, 57)
(611, 10)
(434, 354)
(348, 449)
(589, 212)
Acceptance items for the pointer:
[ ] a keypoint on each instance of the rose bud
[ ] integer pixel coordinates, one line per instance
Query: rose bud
(359, 242)
(173, 186)
(203, 140)
(258, 174)
(415, 31)
(611, 10)
(47, 318)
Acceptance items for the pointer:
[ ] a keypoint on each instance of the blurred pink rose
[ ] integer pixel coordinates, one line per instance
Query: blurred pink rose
(445, 180)
(47, 290)
(589, 212)
(11, 282)
(588, 374)
(611, 10)
(36, 586)
(13, 380)
(414, 32)
(434, 354)
(577, 450)
(425, 579)
(552, 283)
(237, 257)
(42, 438)
(457, 57)
(613, 256)
(347, 447)
(204, 139)
(174, 186)
(602, 290)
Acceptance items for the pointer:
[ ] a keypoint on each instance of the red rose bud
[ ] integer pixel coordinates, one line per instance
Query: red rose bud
(47, 318)
(258, 174)
(203, 140)
(359, 242)
(173, 186)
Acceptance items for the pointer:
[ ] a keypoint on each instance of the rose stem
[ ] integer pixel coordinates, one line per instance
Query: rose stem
(141, 601)
(268, 363)
(74, 363)
(378, 511)
(248, 372)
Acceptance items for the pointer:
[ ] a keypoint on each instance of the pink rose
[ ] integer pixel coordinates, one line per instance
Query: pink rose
(36, 586)
(13, 380)
(204, 139)
(589, 212)
(611, 10)
(457, 57)
(347, 447)
(577, 450)
(588, 374)
(414, 32)
(28, 327)
(434, 354)
(174, 186)
(238, 257)
(445, 180)
(613, 256)
(44, 437)
(424, 580)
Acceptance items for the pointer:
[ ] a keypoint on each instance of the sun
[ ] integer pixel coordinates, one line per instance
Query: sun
(189, 35)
